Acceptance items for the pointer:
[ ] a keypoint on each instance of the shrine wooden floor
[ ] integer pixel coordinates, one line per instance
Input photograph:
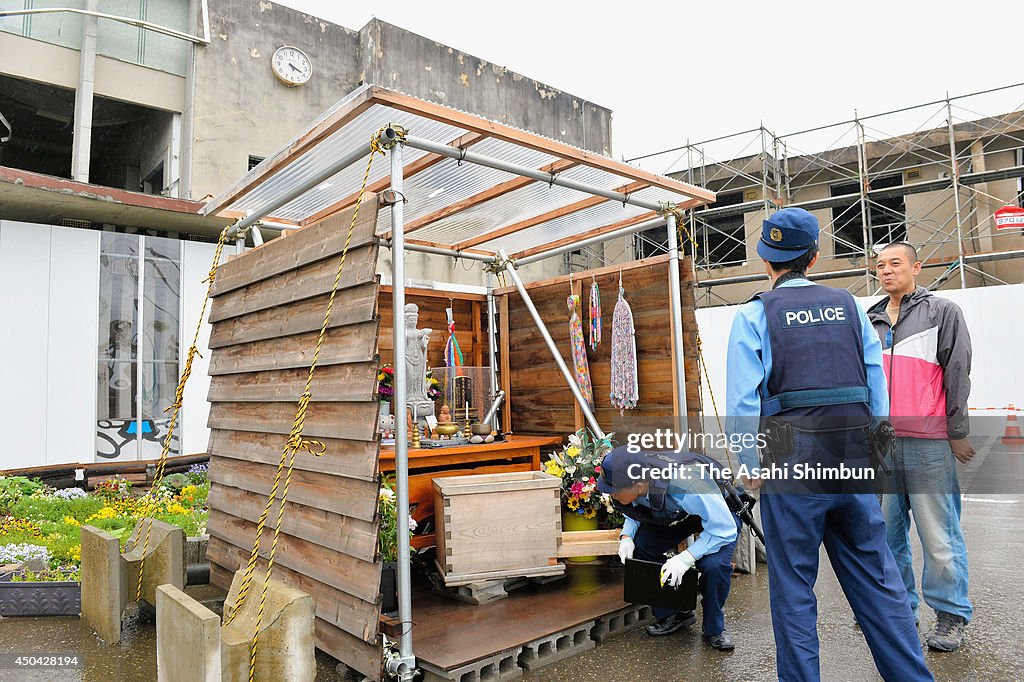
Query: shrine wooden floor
(449, 633)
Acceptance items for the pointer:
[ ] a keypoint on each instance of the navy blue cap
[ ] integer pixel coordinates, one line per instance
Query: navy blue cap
(787, 234)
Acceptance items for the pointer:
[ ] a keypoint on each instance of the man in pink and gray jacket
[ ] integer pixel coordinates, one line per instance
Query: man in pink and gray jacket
(926, 354)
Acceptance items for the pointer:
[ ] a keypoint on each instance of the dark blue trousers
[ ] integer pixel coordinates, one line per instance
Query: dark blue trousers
(652, 541)
(853, 531)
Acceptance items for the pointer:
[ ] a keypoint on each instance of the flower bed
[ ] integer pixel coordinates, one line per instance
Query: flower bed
(40, 526)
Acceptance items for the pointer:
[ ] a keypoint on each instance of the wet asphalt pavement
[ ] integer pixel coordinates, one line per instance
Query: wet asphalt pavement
(993, 526)
(994, 530)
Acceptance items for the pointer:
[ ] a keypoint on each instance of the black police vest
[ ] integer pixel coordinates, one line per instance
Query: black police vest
(658, 491)
(818, 372)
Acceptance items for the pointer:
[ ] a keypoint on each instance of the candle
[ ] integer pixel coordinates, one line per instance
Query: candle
(467, 410)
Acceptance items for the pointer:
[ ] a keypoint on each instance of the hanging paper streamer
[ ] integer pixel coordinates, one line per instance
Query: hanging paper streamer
(625, 390)
(452, 352)
(579, 348)
(595, 316)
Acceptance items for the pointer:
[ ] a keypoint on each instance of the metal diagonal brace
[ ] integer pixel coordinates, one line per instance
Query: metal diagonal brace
(504, 263)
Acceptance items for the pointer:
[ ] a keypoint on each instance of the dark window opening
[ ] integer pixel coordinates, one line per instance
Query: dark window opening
(255, 161)
(41, 123)
(154, 182)
(128, 141)
(720, 240)
(887, 217)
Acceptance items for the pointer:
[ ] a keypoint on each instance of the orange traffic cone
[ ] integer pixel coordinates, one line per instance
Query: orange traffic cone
(1012, 434)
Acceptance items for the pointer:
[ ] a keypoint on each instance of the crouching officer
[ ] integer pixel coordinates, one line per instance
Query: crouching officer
(806, 354)
(662, 510)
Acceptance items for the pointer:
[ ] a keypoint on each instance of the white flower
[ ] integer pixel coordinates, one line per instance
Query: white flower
(412, 524)
(575, 440)
(387, 494)
(570, 469)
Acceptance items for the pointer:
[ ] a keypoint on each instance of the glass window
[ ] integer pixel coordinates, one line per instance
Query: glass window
(138, 353)
(114, 38)
(59, 28)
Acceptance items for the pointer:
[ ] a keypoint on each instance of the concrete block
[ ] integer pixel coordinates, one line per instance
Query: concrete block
(285, 650)
(195, 549)
(556, 647)
(103, 588)
(187, 638)
(621, 621)
(495, 668)
(477, 593)
(165, 558)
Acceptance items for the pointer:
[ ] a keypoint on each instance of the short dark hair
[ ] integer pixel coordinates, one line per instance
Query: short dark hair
(911, 251)
(798, 264)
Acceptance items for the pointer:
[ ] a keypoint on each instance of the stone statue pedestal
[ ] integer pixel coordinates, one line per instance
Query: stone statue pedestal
(420, 409)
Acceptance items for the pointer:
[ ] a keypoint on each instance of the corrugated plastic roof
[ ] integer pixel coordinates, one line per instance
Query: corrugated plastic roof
(449, 203)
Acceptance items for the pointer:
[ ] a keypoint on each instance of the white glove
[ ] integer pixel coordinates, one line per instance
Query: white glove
(673, 570)
(626, 548)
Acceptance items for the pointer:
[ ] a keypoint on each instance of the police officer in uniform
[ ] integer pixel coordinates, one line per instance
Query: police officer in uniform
(806, 356)
(661, 511)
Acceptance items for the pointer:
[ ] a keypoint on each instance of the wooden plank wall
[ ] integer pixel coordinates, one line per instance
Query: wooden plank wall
(470, 324)
(540, 400)
(267, 313)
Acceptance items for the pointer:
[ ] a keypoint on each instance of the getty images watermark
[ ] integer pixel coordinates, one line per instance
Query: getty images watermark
(733, 444)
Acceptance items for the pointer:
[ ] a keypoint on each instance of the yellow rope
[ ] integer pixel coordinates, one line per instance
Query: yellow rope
(295, 441)
(700, 346)
(175, 408)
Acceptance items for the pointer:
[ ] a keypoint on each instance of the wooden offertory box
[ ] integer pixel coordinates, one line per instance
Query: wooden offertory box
(494, 526)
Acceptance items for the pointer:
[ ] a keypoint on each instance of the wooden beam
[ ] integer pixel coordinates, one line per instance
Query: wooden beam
(559, 212)
(597, 272)
(492, 193)
(642, 218)
(418, 166)
(478, 348)
(522, 138)
(436, 293)
(309, 139)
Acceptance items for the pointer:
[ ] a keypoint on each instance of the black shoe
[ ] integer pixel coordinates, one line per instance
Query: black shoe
(669, 624)
(722, 641)
(948, 634)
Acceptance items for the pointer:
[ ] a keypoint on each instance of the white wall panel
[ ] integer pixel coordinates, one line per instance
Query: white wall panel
(195, 266)
(993, 316)
(24, 299)
(73, 332)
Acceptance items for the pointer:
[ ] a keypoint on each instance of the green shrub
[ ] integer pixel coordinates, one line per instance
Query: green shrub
(13, 489)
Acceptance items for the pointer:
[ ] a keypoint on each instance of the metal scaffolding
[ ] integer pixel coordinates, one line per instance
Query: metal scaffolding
(931, 174)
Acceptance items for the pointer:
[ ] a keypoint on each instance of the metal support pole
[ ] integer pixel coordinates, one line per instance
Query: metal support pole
(675, 303)
(257, 236)
(405, 665)
(492, 342)
(955, 178)
(451, 253)
(862, 176)
(526, 171)
(510, 267)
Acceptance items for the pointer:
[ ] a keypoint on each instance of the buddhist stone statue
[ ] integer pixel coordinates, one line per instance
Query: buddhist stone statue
(416, 341)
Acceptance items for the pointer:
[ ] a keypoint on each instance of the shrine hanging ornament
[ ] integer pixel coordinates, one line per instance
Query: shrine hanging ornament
(452, 352)
(579, 348)
(595, 314)
(625, 389)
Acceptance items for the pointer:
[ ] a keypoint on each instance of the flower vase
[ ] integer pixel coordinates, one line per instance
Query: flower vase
(571, 521)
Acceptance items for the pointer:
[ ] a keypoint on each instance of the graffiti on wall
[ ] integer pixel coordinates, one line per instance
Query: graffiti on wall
(118, 439)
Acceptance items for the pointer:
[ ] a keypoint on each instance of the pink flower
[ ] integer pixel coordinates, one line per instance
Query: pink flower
(576, 488)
